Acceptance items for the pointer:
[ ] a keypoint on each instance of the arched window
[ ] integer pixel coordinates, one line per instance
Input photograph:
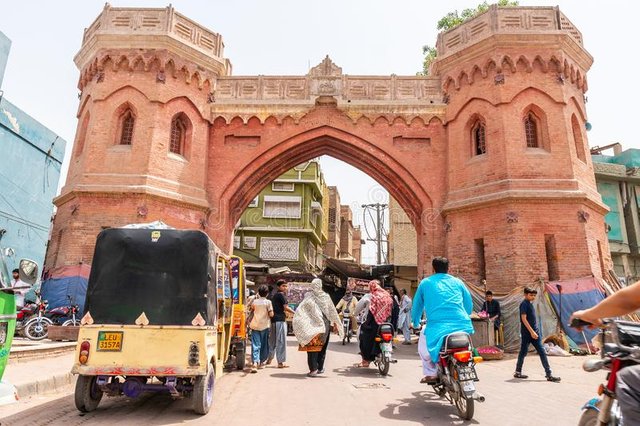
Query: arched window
(178, 135)
(577, 138)
(82, 134)
(531, 131)
(478, 135)
(127, 122)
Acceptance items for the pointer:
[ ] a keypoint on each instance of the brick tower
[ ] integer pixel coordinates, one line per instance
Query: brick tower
(522, 202)
(138, 68)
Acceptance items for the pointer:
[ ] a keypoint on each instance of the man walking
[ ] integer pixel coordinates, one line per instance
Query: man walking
(530, 336)
(404, 317)
(278, 333)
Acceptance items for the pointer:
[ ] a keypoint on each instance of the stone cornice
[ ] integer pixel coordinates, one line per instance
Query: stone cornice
(528, 196)
(117, 191)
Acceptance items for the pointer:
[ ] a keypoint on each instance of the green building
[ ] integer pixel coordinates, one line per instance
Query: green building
(618, 180)
(286, 225)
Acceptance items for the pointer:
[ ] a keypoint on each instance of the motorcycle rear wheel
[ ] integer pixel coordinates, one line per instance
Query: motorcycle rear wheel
(383, 365)
(37, 328)
(464, 404)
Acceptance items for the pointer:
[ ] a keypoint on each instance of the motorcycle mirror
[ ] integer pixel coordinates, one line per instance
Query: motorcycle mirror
(28, 271)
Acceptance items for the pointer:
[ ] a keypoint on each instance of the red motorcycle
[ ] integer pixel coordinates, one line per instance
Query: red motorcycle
(623, 352)
(65, 315)
(24, 314)
(37, 326)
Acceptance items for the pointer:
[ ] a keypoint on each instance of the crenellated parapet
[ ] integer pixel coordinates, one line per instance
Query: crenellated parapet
(368, 99)
(141, 38)
(511, 40)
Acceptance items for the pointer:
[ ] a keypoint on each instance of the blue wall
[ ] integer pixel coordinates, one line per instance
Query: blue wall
(30, 160)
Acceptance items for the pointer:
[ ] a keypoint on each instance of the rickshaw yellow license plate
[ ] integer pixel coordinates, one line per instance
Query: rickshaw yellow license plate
(110, 341)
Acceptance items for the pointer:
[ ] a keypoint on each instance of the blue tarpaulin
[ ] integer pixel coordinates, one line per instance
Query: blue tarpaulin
(577, 294)
(68, 281)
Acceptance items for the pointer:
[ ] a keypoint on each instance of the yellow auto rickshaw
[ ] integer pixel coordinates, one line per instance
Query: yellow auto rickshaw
(158, 317)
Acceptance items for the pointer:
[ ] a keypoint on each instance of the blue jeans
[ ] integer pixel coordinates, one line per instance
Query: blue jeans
(278, 341)
(259, 345)
(524, 348)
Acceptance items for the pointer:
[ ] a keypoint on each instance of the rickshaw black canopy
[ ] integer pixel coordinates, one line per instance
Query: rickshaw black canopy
(165, 273)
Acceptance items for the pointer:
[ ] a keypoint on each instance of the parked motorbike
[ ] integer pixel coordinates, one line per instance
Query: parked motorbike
(346, 327)
(64, 315)
(457, 374)
(37, 327)
(23, 315)
(384, 357)
(622, 352)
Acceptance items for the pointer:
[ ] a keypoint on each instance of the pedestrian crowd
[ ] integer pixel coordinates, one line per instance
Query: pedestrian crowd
(441, 298)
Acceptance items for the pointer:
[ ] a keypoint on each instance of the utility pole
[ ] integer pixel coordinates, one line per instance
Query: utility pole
(380, 236)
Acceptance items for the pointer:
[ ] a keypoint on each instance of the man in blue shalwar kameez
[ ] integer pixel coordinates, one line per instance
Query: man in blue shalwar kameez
(447, 304)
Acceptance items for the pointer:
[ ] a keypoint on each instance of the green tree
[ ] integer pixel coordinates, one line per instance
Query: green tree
(452, 20)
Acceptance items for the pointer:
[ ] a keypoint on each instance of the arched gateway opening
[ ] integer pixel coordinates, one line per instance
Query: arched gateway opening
(497, 205)
(351, 146)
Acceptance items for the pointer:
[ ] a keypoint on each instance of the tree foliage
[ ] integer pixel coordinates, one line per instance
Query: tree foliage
(452, 20)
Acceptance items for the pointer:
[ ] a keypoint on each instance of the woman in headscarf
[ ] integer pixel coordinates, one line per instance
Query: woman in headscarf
(347, 305)
(313, 321)
(379, 305)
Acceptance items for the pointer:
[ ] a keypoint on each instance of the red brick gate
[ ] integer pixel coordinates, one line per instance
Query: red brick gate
(488, 155)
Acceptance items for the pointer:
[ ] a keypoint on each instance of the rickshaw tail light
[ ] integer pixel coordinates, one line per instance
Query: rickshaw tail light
(84, 352)
(194, 354)
(387, 337)
(463, 356)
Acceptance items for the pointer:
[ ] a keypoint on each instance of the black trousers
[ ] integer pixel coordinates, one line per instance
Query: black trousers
(316, 359)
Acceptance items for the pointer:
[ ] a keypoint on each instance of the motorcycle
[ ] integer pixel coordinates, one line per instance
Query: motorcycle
(24, 314)
(37, 327)
(346, 327)
(622, 352)
(457, 374)
(385, 339)
(64, 315)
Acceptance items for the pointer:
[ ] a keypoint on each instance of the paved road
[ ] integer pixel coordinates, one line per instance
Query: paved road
(345, 396)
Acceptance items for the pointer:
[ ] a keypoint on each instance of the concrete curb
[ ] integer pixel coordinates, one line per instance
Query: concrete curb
(47, 385)
(22, 354)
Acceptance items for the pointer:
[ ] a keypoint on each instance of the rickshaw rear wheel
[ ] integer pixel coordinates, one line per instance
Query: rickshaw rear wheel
(241, 356)
(203, 388)
(87, 394)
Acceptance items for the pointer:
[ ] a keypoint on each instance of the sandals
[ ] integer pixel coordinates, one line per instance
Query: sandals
(362, 365)
(312, 373)
(283, 365)
(429, 379)
(519, 375)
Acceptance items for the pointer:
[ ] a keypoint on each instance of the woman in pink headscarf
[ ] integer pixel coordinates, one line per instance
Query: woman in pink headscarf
(379, 305)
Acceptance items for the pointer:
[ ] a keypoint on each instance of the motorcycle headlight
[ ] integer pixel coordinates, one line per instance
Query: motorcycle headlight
(3, 332)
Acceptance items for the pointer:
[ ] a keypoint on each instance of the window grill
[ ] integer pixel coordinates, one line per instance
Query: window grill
(479, 139)
(531, 131)
(128, 121)
(178, 133)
